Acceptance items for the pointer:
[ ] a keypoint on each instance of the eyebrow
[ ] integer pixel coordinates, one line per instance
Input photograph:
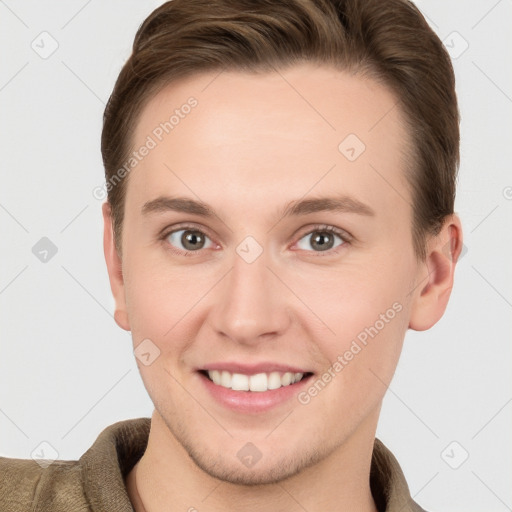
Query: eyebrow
(343, 204)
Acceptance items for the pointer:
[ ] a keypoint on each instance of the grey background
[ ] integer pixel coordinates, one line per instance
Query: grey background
(66, 369)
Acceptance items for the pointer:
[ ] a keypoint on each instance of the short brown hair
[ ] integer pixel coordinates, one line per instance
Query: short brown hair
(388, 40)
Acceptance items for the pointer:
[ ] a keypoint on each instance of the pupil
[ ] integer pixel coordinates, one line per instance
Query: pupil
(319, 240)
(192, 239)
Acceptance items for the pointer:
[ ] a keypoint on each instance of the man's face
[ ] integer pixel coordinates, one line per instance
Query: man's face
(251, 290)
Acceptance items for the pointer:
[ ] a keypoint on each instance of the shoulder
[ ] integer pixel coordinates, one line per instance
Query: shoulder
(388, 484)
(95, 481)
(19, 479)
(27, 485)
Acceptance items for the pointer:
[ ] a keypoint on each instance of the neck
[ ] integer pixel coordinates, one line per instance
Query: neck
(166, 478)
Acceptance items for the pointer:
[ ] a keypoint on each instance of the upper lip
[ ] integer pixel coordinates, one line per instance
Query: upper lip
(252, 369)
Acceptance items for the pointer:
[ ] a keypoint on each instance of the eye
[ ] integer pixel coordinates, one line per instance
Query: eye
(322, 239)
(188, 239)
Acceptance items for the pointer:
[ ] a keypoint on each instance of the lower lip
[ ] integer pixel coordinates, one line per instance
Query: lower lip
(252, 401)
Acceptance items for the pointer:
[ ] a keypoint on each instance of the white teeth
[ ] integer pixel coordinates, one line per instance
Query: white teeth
(286, 379)
(274, 380)
(240, 382)
(225, 379)
(258, 382)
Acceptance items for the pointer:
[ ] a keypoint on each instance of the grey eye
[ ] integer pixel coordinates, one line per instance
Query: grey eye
(190, 239)
(320, 240)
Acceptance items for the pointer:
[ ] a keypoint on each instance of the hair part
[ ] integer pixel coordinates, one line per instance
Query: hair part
(389, 41)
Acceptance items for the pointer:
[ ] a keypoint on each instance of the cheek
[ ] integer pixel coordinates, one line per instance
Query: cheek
(362, 359)
(160, 309)
(164, 305)
(352, 298)
(155, 292)
(364, 311)
(369, 338)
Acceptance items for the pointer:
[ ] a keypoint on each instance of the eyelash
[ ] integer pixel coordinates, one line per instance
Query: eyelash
(345, 237)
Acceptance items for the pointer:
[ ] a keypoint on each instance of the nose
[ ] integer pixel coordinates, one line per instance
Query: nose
(251, 303)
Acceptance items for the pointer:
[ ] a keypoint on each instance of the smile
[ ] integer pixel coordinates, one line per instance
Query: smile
(258, 382)
(253, 387)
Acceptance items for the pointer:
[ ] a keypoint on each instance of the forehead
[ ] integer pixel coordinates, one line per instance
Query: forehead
(259, 133)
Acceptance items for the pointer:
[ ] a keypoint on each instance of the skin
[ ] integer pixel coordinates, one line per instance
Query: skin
(253, 144)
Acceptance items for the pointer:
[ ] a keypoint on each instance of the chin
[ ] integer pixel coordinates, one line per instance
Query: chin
(237, 472)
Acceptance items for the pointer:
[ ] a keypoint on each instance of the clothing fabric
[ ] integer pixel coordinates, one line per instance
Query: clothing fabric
(96, 482)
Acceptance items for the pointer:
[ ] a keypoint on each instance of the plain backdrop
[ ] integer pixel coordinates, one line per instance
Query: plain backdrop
(67, 371)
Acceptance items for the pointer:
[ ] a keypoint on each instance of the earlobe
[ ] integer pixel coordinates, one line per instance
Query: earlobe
(436, 274)
(115, 269)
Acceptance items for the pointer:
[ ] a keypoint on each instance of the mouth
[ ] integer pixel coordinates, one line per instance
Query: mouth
(253, 388)
(257, 382)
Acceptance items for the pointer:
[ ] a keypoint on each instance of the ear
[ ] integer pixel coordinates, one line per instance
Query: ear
(114, 268)
(435, 275)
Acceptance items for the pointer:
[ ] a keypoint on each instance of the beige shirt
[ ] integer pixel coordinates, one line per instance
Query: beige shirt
(96, 482)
